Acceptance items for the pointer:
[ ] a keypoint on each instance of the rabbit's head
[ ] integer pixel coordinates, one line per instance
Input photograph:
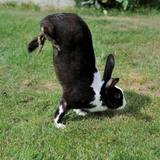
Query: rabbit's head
(112, 95)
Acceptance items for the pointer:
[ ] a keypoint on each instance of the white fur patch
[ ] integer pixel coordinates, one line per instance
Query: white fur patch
(80, 112)
(124, 100)
(97, 85)
(42, 29)
(59, 125)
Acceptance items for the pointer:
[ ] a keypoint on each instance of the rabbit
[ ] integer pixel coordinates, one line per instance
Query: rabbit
(74, 63)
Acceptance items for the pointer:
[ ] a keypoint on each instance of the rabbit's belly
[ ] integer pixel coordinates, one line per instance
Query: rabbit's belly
(97, 108)
(97, 104)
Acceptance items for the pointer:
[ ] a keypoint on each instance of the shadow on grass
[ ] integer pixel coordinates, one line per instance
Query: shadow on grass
(135, 102)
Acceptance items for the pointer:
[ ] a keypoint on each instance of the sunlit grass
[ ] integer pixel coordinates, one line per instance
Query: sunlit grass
(30, 92)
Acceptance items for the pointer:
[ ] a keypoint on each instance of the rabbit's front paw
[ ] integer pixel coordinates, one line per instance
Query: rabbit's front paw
(60, 125)
(80, 112)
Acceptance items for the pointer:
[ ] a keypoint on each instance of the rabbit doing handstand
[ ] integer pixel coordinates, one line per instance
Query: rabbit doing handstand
(74, 64)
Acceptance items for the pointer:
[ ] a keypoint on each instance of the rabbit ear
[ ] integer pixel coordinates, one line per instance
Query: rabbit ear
(111, 82)
(108, 68)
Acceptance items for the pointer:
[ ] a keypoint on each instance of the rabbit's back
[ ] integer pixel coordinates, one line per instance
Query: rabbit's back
(75, 62)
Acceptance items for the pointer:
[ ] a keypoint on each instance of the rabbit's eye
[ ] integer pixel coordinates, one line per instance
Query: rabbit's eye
(117, 95)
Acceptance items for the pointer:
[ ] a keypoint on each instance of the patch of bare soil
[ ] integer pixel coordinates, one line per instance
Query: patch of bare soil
(145, 88)
(42, 86)
(134, 22)
(50, 86)
(150, 88)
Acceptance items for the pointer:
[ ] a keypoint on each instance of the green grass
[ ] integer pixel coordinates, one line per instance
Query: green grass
(30, 92)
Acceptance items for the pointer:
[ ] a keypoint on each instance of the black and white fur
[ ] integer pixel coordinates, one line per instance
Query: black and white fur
(74, 64)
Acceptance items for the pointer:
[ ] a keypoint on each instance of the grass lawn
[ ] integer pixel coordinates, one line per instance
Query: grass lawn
(30, 92)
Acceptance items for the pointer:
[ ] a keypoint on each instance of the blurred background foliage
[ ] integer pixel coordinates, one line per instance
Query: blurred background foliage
(119, 4)
(109, 5)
